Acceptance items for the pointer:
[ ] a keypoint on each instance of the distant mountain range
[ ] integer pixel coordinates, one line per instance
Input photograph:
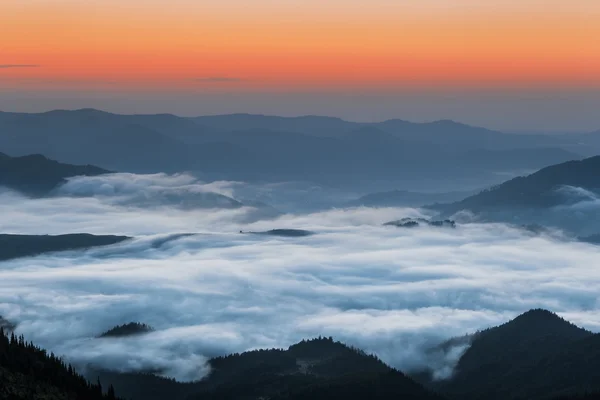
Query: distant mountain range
(253, 147)
(37, 175)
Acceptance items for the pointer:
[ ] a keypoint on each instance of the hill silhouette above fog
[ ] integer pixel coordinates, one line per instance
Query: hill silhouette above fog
(16, 246)
(537, 355)
(541, 189)
(36, 175)
(317, 369)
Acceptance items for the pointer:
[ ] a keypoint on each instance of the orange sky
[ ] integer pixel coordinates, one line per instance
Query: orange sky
(298, 45)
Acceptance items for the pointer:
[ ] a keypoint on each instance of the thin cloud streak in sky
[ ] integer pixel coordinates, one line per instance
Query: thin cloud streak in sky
(6, 66)
(219, 79)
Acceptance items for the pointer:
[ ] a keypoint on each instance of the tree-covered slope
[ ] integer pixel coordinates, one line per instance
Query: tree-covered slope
(538, 190)
(537, 355)
(28, 372)
(319, 368)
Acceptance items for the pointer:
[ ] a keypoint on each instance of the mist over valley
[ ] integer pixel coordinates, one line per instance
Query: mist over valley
(147, 280)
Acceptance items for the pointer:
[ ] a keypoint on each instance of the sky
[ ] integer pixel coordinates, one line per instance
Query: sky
(514, 65)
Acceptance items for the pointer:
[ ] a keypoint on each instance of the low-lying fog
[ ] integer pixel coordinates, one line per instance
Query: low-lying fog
(387, 290)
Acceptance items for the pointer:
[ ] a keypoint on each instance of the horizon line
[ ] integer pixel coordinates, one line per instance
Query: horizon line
(425, 122)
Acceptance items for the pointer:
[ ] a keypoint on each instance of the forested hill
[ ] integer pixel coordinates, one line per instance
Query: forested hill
(538, 190)
(30, 373)
(129, 329)
(537, 355)
(312, 369)
(36, 175)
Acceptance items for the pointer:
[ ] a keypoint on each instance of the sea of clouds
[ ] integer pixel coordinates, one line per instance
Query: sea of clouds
(391, 291)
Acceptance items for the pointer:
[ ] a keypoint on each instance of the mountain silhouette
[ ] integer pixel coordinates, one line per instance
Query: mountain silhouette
(318, 368)
(538, 190)
(536, 355)
(260, 148)
(129, 329)
(28, 372)
(15, 246)
(36, 175)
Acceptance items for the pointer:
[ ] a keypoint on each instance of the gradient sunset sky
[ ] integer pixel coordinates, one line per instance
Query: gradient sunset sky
(507, 64)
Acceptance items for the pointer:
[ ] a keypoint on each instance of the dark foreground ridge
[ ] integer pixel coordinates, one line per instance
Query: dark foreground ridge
(537, 355)
(15, 246)
(28, 372)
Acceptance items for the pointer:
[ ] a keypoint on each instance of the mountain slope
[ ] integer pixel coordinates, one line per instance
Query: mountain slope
(538, 190)
(399, 198)
(319, 368)
(30, 373)
(37, 175)
(527, 357)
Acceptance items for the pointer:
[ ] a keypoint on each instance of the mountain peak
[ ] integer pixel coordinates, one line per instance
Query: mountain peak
(540, 322)
(538, 313)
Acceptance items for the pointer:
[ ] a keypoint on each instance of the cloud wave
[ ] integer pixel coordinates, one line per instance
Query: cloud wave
(391, 291)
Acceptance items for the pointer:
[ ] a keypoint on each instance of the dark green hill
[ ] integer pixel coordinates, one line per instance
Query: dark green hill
(36, 175)
(30, 373)
(129, 329)
(383, 386)
(319, 368)
(15, 246)
(537, 355)
(538, 190)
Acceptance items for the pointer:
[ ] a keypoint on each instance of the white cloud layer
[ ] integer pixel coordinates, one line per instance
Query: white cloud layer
(387, 290)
